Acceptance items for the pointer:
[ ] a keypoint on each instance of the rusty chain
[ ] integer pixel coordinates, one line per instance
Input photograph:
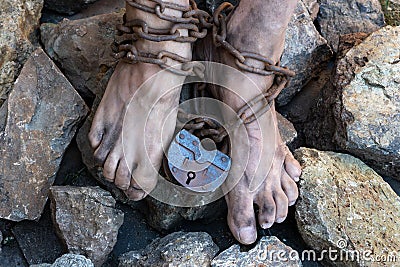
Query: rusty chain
(193, 20)
(197, 22)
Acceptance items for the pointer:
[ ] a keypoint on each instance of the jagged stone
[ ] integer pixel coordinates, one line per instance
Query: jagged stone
(18, 20)
(340, 17)
(68, 260)
(176, 249)
(305, 52)
(347, 207)
(44, 111)
(269, 251)
(67, 6)
(367, 111)
(82, 49)
(86, 220)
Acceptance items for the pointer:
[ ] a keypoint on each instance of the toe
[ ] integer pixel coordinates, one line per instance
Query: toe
(241, 219)
(95, 134)
(290, 188)
(145, 177)
(267, 212)
(292, 167)
(281, 202)
(110, 167)
(134, 192)
(123, 176)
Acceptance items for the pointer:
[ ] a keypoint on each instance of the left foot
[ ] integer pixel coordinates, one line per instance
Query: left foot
(258, 26)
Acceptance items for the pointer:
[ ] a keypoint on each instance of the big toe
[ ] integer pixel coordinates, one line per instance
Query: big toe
(292, 167)
(241, 219)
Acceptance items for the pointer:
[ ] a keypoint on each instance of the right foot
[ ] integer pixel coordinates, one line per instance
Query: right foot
(113, 118)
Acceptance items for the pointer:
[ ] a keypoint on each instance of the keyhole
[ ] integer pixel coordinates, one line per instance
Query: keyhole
(190, 176)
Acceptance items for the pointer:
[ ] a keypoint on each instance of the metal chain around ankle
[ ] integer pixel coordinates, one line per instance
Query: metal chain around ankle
(263, 101)
(193, 20)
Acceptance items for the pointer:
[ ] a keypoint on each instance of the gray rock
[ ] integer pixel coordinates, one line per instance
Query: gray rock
(305, 52)
(86, 220)
(367, 112)
(38, 240)
(346, 206)
(67, 6)
(44, 111)
(68, 260)
(312, 7)
(82, 49)
(265, 253)
(18, 20)
(176, 249)
(348, 16)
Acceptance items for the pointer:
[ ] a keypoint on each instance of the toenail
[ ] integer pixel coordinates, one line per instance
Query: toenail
(266, 225)
(292, 203)
(280, 220)
(247, 235)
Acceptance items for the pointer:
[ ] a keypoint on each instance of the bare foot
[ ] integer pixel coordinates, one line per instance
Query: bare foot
(269, 179)
(114, 122)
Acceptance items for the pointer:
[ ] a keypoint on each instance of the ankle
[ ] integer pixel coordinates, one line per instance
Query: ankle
(153, 21)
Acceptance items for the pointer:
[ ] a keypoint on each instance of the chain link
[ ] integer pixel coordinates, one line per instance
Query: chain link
(197, 22)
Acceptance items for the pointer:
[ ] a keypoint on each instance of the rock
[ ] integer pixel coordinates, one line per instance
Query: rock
(312, 111)
(44, 111)
(312, 7)
(287, 130)
(18, 20)
(1, 240)
(86, 220)
(348, 16)
(82, 49)
(265, 253)
(176, 249)
(346, 206)
(305, 52)
(38, 240)
(67, 6)
(68, 260)
(367, 112)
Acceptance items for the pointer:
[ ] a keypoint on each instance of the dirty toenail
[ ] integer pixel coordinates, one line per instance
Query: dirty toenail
(247, 235)
(266, 225)
(280, 220)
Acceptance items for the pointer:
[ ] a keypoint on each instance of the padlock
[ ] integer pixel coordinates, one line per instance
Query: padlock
(195, 167)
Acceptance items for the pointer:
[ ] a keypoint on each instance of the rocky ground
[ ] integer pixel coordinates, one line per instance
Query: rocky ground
(340, 116)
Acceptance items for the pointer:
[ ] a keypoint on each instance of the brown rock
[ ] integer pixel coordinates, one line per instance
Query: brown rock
(86, 220)
(345, 206)
(82, 49)
(44, 111)
(18, 20)
(265, 253)
(348, 16)
(367, 112)
(176, 249)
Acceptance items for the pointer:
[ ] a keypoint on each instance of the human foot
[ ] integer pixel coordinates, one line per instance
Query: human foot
(270, 175)
(122, 120)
